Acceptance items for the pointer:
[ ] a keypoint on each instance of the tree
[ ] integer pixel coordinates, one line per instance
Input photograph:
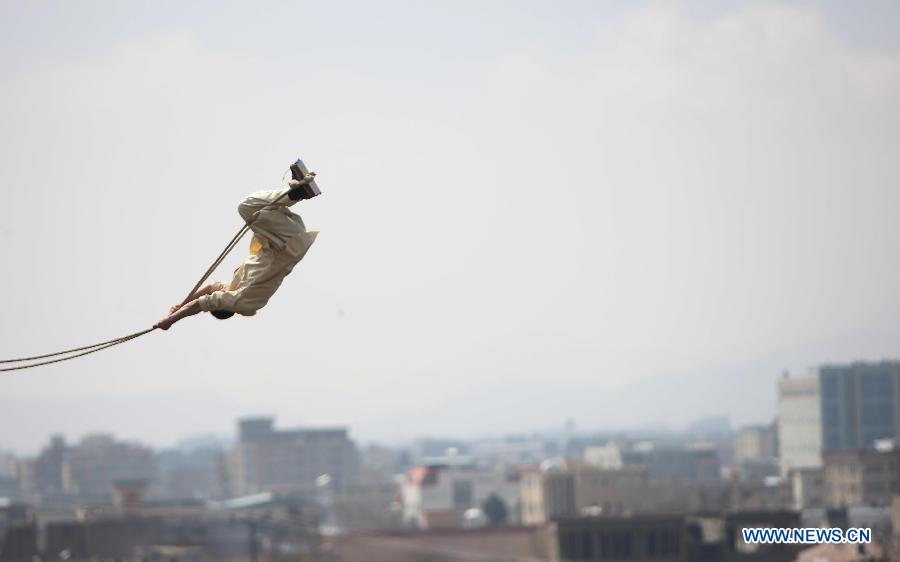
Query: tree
(495, 510)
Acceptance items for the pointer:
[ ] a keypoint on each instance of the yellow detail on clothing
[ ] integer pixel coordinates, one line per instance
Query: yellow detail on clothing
(255, 245)
(279, 242)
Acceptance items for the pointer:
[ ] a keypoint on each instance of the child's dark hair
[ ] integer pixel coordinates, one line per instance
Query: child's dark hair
(222, 314)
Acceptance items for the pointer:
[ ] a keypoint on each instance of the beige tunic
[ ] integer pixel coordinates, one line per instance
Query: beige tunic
(280, 240)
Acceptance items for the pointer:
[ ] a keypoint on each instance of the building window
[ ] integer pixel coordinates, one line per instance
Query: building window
(620, 544)
(568, 546)
(587, 546)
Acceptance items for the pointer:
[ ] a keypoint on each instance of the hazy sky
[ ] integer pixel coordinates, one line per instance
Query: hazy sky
(621, 214)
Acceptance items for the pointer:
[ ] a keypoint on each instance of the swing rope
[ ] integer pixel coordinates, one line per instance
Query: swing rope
(88, 349)
(91, 349)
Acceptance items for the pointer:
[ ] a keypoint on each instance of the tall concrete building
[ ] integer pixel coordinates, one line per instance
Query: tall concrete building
(837, 408)
(268, 460)
(860, 404)
(799, 423)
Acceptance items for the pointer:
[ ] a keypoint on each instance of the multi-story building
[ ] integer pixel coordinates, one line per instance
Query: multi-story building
(10, 484)
(693, 462)
(576, 488)
(607, 456)
(94, 465)
(862, 477)
(626, 538)
(268, 460)
(860, 404)
(48, 467)
(546, 495)
(11, 514)
(836, 408)
(807, 488)
(438, 494)
(7, 465)
(86, 470)
(799, 423)
(643, 538)
(755, 452)
(755, 443)
(671, 538)
(24, 474)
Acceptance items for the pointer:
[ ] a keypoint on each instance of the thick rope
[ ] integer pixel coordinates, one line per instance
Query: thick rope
(94, 350)
(88, 349)
(73, 350)
(237, 238)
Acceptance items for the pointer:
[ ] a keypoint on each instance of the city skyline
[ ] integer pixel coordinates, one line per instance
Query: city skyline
(717, 208)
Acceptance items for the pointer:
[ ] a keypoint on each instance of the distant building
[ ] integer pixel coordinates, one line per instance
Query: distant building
(386, 461)
(574, 489)
(770, 494)
(256, 528)
(626, 538)
(63, 473)
(799, 423)
(607, 456)
(268, 460)
(368, 504)
(25, 475)
(547, 494)
(646, 538)
(426, 447)
(48, 467)
(695, 462)
(807, 488)
(12, 514)
(860, 404)
(864, 477)
(10, 483)
(7, 465)
(755, 452)
(672, 538)
(837, 408)
(94, 465)
(755, 443)
(437, 495)
(191, 474)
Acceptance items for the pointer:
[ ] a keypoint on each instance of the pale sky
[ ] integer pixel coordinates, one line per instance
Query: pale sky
(621, 214)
